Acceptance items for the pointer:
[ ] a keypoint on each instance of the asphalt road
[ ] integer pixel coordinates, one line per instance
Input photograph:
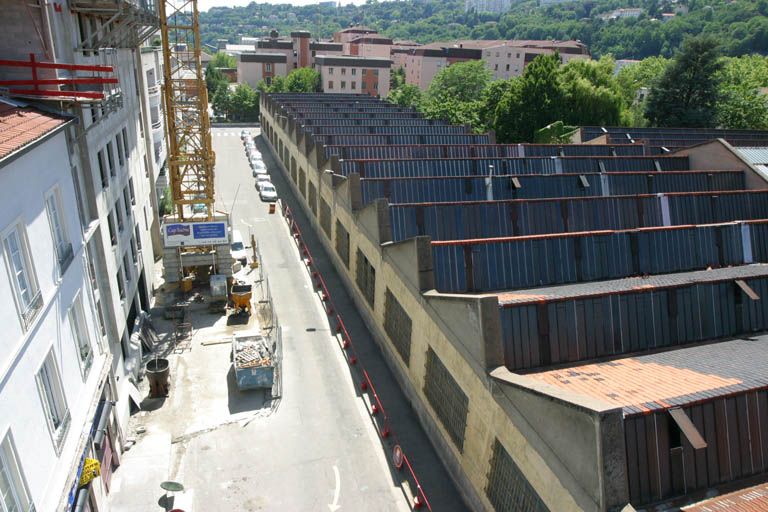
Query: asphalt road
(319, 448)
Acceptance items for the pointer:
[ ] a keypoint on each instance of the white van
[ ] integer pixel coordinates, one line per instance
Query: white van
(238, 248)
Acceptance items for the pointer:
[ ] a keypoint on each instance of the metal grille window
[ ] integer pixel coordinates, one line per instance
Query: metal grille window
(111, 159)
(342, 243)
(325, 218)
(366, 278)
(446, 397)
(303, 182)
(312, 198)
(397, 325)
(507, 488)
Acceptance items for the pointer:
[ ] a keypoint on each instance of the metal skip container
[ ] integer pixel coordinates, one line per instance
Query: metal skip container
(253, 361)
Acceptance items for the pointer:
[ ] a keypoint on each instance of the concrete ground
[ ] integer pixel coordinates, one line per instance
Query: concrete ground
(312, 447)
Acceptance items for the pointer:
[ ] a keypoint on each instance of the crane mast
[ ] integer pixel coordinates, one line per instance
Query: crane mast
(190, 156)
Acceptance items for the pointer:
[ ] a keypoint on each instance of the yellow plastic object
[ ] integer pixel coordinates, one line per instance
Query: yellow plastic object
(91, 469)
(186, 284)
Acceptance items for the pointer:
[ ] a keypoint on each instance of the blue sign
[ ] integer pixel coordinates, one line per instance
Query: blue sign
(210, 230)
(196, 233)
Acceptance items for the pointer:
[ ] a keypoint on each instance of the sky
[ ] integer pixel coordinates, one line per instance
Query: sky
(204, 5)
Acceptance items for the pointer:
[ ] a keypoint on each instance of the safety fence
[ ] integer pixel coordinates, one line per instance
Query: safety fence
(399, 459)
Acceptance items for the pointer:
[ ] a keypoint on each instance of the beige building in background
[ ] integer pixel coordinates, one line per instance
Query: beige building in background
(355, 75)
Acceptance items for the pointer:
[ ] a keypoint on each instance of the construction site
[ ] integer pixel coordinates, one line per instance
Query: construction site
(350, 306)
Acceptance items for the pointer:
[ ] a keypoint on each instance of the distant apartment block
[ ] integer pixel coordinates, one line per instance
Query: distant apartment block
(505, 59)
(368, 65)
(347, 74)
(494, 6)
(616, 14)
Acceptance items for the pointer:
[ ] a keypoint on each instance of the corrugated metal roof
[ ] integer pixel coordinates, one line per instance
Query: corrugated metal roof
(755, 155)
(21, 125)
(668, 379)
(751, 499)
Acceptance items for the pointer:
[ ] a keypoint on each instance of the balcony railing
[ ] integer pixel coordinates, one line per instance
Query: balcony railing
(65, 255)
(34, 307)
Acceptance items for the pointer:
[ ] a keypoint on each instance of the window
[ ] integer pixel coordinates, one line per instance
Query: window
(509, 55)
(103, 169)
(111, 159)
(134, 252)
(354, 85)
(119, 147)
(342, 243)
(60, 240)
(125, 143)
(343, 85)
(397, 325)
(343, 71)
(507, 67)
(112, 231)
(354, 71)
(330, 71)
(269, 67)
(131, 191)
(119, 216)
(138, 236)
(495, 67)
(127, 266)
(507, 487)
(447, 399)
(120, 283)
(14, 495)
(20, 267)
(54, 402)
(330, 84)
(80, 336)
(366, 278)
(376, 85)
(517, 56)
(127, 202)
(268, 80)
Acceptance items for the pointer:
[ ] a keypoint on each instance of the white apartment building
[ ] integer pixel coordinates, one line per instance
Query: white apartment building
(109, 160)
(494, 6)
(55, 378)
(345, 74)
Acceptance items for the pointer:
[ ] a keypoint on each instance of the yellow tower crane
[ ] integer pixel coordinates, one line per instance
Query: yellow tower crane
(190, 157)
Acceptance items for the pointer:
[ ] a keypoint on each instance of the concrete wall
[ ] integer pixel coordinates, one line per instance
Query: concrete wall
(464, 332)
(718, 155)
(24, 183)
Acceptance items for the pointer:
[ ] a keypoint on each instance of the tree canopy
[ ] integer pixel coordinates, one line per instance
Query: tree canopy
(688, 91)
(741, 26)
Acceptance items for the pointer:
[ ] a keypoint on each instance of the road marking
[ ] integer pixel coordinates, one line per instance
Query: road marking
(333, 507)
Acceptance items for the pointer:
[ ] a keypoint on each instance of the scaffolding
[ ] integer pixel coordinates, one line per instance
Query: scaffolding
(116, 23)
(190, 156)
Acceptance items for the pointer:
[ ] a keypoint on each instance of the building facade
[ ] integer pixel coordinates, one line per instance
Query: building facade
(55, 371)
(494, 6)
(111, 152)
(345, 74)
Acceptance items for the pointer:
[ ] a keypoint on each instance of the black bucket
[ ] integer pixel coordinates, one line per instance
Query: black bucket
(158, 373)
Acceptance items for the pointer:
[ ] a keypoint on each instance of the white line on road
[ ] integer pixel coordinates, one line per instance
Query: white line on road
(333, 507)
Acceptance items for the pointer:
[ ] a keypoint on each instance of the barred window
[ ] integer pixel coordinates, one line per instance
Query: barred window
(312, 198)
(446, 398)
(342, 243)
(302, 182)
(325, 217)
(397, 325)
(507, 488)
(366, 277)
(293, 169)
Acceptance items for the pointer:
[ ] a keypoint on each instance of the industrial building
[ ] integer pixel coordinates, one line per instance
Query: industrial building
(79, 65)
(579, 327)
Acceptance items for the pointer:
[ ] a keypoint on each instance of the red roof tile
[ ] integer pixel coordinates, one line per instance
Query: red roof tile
(20, 126)
(668, 379)
(751, 499)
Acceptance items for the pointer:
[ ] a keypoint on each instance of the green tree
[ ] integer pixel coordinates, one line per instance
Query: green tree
(214, 77)
(406, 95)
(223, 60)
(688, 92)
(222, 100)
(590, 92)
(536, 102)
(455, 92)
(742, 104)
(303, 80)
(396, 79)
(245, 103)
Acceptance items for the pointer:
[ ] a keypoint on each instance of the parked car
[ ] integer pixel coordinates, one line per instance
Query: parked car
(268, 193)
(238, 248)
(261, 179)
